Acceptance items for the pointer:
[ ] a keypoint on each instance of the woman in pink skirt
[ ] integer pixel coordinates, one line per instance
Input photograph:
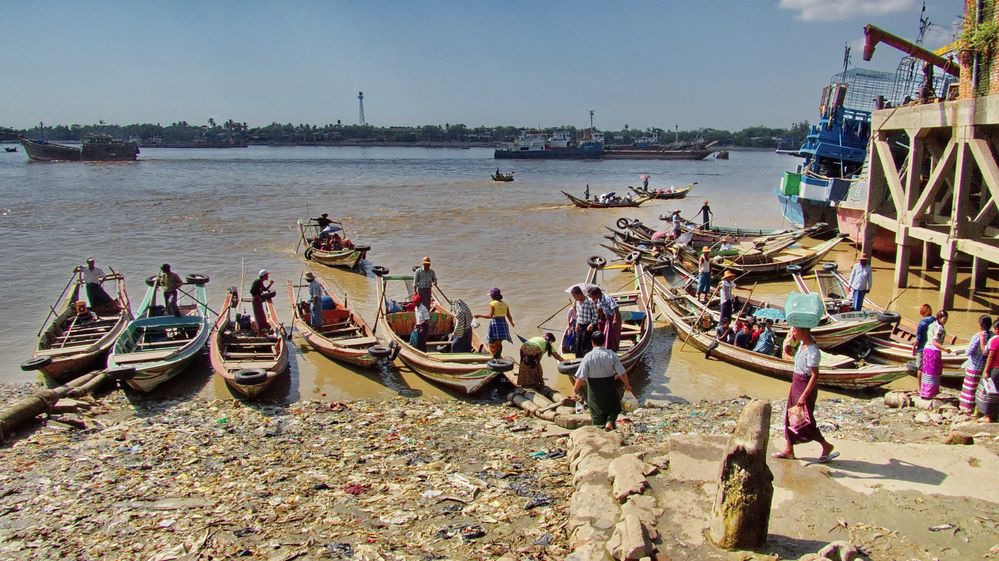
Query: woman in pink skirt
(929, 383)
(977, 353)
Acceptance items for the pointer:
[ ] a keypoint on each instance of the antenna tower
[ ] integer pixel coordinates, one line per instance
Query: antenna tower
(360, 106)
(846, 58)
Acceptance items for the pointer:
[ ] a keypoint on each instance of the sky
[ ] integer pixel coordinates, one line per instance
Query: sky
(692, 63)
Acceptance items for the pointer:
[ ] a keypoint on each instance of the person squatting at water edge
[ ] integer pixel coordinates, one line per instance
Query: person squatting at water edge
(424, 279)
(421, 329)
(499, 330)
(929, 381)
(531, 373)
(799, 415)
(461, 335)
(100, 302)
(609, 317)
(987, 396)
(978, 351)
(315, 300)
(861, 278)
(171, 283)
(597, 371)
(261, 292)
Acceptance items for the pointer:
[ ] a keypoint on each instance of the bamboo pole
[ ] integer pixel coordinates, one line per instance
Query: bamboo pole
(23, 410)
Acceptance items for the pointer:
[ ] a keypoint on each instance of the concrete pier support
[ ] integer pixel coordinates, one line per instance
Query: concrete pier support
(979, 273)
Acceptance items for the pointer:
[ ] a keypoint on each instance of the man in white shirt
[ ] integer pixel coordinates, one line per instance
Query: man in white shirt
(861, 277)
(597, 371)
(92, 277)
(315, 300)
(422, 328)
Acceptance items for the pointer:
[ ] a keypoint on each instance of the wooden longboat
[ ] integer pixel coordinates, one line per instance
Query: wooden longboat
(714, 234)
(677, 193)
(772, 266)
(750, 251)
(158, 346)
(249, 363)
(835, 371)
(344, 335)
(894, 343)
(463, 372)
(835, 329)
(700, 237)
(583, 203)
(346, 258)
(636, 320)
(71, 344)
(649, 257)
(502, 177)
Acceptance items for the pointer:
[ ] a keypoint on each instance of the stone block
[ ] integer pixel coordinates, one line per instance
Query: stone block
(629, 541)
(627, 473)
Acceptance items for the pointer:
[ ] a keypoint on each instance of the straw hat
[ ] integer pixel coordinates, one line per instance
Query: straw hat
(426, 260)
(309, 276)
(676, 211)
(728, 274)
(705, 249)
(263, 273)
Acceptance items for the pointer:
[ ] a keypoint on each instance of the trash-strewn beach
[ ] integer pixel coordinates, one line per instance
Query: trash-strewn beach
(401, 479)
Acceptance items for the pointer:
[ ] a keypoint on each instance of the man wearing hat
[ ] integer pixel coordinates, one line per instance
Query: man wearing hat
(92, 277)
(315, 300)
(704, 274)
(725, 294)
(706, 215)
(424, 280)
(861, 277)
(677, 221)
(261, 292)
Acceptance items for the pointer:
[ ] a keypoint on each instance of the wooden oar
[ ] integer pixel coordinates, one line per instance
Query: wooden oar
(72, 278)
(746, 303)
(193, 297)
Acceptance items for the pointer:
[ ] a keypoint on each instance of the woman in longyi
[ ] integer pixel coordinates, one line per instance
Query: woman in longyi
(799, 415)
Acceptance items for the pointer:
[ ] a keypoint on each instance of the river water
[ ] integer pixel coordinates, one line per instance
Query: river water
(219, 212)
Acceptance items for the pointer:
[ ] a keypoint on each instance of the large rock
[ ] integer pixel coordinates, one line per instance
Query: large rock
(839, 551)
(593, 512)
(589, 552)
(740, 517)
(594, 440)
(591, 468)
(630, 540)
(644, 508)
(627, 473)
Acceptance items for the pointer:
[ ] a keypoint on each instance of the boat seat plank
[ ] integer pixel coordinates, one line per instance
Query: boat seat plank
(357, 342)
(143, 356)
(328, 332)
(172, 343)
(229, 355)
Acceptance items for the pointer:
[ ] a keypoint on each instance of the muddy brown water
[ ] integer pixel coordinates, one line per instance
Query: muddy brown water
(221, 212)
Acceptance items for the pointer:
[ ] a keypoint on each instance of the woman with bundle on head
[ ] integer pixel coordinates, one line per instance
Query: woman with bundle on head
(799, 416)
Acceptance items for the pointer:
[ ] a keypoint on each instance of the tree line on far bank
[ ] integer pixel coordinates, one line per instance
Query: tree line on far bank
(238, 133)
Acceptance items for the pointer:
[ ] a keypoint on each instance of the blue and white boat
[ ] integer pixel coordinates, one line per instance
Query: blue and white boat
(160, 346)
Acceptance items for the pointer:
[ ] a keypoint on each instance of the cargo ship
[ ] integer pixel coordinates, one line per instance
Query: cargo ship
(95, 148)
(559, 145)
(648, 148)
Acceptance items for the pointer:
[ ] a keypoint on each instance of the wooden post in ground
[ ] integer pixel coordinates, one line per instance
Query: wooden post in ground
(740, 518)
(23, 410)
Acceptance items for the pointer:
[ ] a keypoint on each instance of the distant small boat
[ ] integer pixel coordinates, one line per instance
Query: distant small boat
(503, 177)
(672, 193)
(347, 256)
(9, 149)
(592, 203)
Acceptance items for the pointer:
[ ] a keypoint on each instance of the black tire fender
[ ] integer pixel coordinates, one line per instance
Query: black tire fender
(150, 281)
(889, 317)
(633, 257)
(635, 223)
(196, 278)
(794, 269)
(250, 376)
(623, 223)
(308, 253)
(830, 266)
(379, 351)
(596, 261)
(36, 363)
(379, 271)
(500, 365)
(664, 258)
(362, 248)
(568, 366)
(396, 349)
(120, 373)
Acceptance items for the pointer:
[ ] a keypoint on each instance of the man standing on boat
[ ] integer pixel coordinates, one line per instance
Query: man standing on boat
(706, 215)
(424, 280)
(315, 300)
(585, 322)
(860, 282)
(597, 371)
(610, 316)
(323, 221)
(92, 277)
(170, 283)
(260, 293)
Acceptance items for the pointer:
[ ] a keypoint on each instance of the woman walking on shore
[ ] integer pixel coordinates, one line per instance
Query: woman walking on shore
(987, 398)
(929, 382)
(499, 330)
(977, 353)
(800, 427)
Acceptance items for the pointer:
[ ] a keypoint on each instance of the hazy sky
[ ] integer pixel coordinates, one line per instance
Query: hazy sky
(695, 63)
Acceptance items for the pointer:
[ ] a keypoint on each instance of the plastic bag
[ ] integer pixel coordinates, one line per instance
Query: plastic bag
(629, 402)
(798, 418)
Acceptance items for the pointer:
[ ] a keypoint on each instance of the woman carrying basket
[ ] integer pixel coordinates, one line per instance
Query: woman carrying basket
(799, 415)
